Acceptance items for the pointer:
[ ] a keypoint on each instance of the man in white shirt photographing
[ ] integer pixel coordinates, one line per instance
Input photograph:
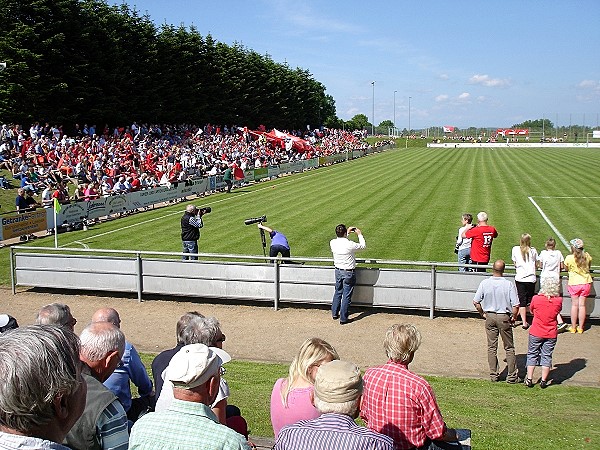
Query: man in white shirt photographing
(343, 250)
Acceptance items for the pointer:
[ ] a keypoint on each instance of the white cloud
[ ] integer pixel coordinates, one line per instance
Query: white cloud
(441, 98)
(486, 80)
(589, 84)
(589, 91)
(307, 18)
(444, 76)
(351, 112)
(464, 96)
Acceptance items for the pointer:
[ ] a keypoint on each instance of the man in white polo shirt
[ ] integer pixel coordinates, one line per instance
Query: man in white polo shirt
(343, 250)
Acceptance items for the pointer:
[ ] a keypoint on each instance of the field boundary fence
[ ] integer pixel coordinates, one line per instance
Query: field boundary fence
(419, 285)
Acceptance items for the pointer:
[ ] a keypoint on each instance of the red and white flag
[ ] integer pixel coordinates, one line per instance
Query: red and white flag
(448, 129)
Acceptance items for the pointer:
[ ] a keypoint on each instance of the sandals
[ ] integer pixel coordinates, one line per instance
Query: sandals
(529, 382)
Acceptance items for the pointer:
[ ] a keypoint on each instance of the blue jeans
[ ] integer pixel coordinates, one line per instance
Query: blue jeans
(464, 257)
(190, 247)
(344, 287)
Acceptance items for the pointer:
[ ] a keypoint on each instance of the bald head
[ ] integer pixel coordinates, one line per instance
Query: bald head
(107, 315)
(498, 267)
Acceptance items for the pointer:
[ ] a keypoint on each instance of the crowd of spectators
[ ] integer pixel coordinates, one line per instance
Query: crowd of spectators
(75, 400)
(105, 161)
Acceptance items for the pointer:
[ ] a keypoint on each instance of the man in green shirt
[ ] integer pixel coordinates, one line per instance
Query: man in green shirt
(227, 178)
(189, 421)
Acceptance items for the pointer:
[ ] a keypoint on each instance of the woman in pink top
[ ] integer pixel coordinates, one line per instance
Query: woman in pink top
(542, 335)
(291, 399)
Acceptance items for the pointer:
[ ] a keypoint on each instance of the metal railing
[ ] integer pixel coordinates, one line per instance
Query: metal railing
(423, 285)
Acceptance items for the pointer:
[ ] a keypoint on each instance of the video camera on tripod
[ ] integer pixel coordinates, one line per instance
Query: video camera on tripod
(259, 220)
(254, 220)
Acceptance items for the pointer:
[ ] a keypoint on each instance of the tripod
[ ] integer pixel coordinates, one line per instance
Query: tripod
(264, 242)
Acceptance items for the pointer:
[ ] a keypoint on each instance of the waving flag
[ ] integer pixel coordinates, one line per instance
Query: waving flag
(448, 129)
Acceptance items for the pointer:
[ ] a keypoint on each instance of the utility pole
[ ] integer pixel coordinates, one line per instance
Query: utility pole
(373, 113)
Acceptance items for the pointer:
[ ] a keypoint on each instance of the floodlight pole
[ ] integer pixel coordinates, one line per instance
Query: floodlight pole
(395, 109)
(408, 134)
(373, 112)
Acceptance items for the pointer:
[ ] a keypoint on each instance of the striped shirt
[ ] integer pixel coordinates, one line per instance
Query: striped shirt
(112, 427)
(184, 425)
(331, 431)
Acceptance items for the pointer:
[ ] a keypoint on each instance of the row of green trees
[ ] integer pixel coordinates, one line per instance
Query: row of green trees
(86, 61)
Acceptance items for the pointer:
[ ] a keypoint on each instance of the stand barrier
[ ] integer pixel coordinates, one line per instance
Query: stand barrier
(420, 285)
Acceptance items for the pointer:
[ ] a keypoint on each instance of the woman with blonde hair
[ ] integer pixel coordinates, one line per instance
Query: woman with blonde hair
(551, 263)
(291, 399)
(524, 257)
(578, 264)
(542, 335)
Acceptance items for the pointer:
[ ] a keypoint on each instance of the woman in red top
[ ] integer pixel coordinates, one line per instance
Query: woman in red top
(543, 331)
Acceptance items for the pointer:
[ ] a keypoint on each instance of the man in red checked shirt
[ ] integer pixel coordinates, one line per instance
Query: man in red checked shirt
(401, 404)
(482, 236)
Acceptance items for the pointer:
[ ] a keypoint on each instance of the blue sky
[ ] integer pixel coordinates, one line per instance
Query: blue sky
(463, 63)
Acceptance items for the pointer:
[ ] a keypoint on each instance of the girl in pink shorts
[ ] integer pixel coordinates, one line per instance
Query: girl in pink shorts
(578, 264)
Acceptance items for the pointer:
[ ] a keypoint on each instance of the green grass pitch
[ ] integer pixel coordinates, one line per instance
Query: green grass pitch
(407, 202)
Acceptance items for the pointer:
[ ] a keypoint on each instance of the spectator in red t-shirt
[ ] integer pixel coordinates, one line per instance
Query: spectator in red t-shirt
(543, 331)
(481, 236)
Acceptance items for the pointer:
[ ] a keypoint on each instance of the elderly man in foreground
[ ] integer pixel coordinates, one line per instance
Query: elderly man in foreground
(130, 370)
(188, 422)
(401, 404)
(103, 425)
(42, 393)
(337, 393)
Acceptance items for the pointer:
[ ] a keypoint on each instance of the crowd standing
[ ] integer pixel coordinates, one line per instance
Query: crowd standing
(501, 302)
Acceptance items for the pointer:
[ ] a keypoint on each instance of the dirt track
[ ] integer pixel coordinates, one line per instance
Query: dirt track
(452, 346)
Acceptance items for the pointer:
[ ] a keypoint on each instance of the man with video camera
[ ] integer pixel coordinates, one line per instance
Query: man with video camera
(279, 243)
(191, 222)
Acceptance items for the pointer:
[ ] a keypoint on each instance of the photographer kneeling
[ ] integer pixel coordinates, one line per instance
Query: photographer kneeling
(191, 222)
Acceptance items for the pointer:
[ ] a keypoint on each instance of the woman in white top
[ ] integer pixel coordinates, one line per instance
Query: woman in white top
(524, 258)
(551, 262)
(463, 245)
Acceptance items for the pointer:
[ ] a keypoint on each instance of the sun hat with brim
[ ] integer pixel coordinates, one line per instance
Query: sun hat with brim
(576, 243)
(192, 366)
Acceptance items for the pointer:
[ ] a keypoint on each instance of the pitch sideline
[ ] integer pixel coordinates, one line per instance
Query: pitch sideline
(179, 212)
(547, 220)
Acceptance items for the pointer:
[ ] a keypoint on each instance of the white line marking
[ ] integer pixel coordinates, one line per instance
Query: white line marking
(545, 217)
(77, 242)
(537, 196)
